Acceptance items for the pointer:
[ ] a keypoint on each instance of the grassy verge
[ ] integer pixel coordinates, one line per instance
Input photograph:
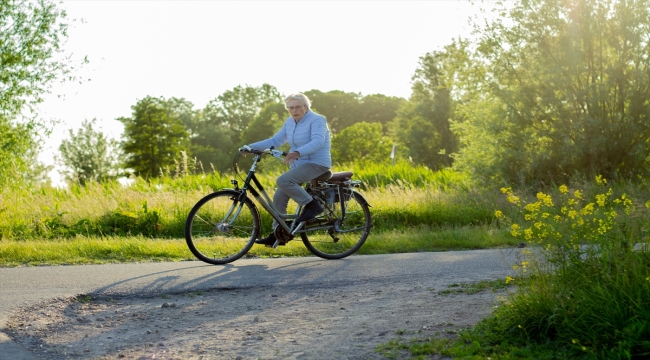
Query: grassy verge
(158, 208)
(588, 297)
(97, 250)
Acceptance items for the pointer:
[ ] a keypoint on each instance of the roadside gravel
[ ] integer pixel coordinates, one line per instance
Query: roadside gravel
(286, 322)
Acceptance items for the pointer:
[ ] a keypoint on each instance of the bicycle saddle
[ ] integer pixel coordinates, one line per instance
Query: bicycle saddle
(337, 177)
(326, 176)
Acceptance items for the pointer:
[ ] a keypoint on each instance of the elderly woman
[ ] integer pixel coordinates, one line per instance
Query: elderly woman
(309, 157)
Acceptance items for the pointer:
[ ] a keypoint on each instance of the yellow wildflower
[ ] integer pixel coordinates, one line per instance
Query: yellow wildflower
(588, 209)
(533, 206)
(528, 234)
(509, 279)
(544, 198)
(513, 199)
(564, 189)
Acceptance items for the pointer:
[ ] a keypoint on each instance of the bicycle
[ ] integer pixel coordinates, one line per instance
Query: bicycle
(223, 226)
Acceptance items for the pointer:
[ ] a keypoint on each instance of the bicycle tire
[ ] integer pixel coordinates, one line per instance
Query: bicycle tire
(217, 237)
(354, 228)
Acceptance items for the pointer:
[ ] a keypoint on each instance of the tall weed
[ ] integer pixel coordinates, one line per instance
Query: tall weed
(584, 288)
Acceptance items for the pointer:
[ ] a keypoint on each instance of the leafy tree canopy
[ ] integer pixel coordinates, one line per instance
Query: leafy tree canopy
(236, 108)
(154, 136)
(344, 109)
(265, 124)
(32, 35)
(361, 142)
(564, 92)
(219, 128)
(88, 155)
(422, 125)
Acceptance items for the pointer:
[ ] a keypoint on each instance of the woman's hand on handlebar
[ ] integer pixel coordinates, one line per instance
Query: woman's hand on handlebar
(291, 157)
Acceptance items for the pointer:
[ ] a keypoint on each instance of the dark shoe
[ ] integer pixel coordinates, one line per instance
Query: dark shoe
(310, 211)
(269, 240)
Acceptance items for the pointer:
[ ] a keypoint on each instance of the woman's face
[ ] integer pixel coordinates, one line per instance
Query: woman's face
(296, 109)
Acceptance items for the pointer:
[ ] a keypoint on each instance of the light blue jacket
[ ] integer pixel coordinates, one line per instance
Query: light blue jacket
(310, 137)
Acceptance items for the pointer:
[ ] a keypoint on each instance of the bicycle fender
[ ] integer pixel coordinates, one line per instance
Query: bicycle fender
(362, 199)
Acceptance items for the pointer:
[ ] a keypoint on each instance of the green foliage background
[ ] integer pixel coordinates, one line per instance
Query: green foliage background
(546, 95)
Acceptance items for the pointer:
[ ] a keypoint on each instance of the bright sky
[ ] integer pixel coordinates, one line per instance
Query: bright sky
(199, 49)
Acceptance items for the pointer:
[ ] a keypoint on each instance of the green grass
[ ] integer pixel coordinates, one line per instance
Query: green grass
(158, 208)
(98, 250)
(589, 298)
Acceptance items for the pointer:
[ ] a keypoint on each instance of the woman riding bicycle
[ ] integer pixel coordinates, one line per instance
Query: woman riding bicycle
(309, 157)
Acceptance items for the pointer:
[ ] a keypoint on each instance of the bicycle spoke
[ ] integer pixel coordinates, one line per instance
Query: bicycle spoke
(344, 234)
(219, 229)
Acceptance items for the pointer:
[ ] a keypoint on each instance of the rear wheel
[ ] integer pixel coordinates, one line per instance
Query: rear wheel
(220, 229)
(342, 231)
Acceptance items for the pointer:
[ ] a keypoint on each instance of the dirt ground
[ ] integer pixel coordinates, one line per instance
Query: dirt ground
(346, 322)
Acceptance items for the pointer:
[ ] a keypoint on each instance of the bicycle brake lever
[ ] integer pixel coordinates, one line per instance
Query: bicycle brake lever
(277, 154)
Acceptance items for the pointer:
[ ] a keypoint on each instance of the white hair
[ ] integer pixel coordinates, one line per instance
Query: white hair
(302, 97)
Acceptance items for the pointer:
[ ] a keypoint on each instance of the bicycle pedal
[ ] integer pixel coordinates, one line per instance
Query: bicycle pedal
(277, 243)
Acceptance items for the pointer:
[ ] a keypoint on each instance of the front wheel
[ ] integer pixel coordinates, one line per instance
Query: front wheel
(342, 231)
(220, 229)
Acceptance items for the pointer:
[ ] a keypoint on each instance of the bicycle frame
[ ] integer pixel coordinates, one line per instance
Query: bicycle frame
(222, 226)
(252, 185)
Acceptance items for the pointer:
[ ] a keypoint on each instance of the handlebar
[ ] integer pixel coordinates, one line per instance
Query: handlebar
(275, 153)
(258, 155)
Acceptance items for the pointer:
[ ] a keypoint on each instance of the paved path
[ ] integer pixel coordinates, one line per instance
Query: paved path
(24, 286)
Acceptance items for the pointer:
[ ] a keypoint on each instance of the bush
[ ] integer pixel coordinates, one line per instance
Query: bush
(586, 292)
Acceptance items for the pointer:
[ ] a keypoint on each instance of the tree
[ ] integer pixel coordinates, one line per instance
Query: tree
(346, 109)
(269, 120)
(341, 109)
(217, 130)
(236, 108)
(18, 147)
(566, 88)
(154, 136)
(32, 35)
(361, 142)
(380, 109)
(213, 143)
(89, 156)
(422, 125)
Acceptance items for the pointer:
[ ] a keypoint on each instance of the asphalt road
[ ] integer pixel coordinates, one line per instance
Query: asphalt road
(27, 285)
